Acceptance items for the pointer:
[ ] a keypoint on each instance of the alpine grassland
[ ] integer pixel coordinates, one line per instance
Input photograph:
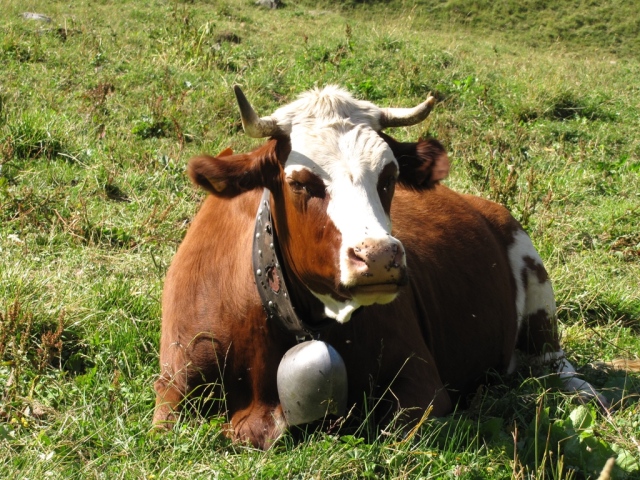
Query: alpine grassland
(102, 103)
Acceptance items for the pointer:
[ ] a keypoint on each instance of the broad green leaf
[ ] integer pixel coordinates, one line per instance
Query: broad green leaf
(588, 452)
(582, 417)
(625, 459)
(492, 428)
(5, 433)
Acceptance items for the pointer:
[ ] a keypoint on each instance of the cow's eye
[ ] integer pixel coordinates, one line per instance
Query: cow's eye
(389, 185)
(311, 189)
(298, 187)
(306, 184)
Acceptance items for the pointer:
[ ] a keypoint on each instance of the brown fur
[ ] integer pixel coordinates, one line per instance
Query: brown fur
(454, 318)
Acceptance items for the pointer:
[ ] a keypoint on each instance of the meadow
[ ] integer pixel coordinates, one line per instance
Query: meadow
(101, 107)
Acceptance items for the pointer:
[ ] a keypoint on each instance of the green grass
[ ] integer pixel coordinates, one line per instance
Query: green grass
(610, 27)
(100, 111)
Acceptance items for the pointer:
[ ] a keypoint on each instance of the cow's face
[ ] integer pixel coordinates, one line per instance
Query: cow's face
(332, 174)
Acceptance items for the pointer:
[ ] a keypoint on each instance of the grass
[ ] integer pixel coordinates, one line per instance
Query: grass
(101, 108)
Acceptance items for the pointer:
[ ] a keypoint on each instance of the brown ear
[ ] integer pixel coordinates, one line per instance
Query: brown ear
(226, 152)
(228, 175)
(435, 159)
(422, 164)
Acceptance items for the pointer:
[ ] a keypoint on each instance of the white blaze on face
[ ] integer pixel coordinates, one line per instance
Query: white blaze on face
(349, 159)
(335, 137)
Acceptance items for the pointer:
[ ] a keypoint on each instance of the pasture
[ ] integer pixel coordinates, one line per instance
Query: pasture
(101, 107)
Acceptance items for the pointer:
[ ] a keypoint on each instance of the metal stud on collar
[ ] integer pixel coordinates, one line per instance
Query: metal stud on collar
(268, 274)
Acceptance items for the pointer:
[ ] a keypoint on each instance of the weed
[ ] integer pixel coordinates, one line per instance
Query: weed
(28, 138)
(97, 96)
(27, 346)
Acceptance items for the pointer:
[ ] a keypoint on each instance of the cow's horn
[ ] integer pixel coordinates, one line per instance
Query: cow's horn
(403, 117)
(253, 125)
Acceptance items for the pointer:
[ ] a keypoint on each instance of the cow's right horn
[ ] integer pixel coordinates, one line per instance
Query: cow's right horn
(253, 125)
(404, 117)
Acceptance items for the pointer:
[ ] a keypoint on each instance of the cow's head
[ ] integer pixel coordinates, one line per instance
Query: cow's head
(332, 174)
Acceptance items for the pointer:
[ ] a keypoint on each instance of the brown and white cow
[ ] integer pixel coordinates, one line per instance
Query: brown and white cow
(426, 288)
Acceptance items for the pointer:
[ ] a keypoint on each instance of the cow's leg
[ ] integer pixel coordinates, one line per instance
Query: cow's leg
(417, 398)
(419, 389)
(537, 325)
(259, 424)
(168, 398)
(539, 339)
(183, 368)
(171, 386)
(572, 383)
(252, 402)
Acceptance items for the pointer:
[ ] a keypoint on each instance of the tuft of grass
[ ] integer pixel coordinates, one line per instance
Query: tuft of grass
(27, 138)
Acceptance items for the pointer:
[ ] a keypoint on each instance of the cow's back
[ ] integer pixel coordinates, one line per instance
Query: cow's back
(461, 279)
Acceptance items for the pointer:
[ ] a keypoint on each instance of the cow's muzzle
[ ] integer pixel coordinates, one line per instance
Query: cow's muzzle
(376, 262)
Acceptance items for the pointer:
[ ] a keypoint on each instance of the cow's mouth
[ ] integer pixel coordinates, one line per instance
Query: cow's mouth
(378, 293)
(350, 299)
(379, 289)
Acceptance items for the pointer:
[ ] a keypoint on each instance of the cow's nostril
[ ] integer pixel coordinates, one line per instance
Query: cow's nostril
(376, 261)
(398, 256)
(358, 257)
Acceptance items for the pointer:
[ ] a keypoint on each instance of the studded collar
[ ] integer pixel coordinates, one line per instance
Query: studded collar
(269, 275)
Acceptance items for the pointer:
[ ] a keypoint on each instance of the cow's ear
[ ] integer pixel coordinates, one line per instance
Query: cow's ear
(422, 164)
(433, 161)
(228, 175)
(226, 152)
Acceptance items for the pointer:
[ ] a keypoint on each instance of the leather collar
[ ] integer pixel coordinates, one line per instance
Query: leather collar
(269, 276)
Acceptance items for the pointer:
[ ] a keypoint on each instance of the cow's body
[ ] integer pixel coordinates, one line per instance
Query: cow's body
(473, 290)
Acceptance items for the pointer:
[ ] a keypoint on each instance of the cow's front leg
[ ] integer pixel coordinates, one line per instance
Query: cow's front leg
(414, 398)
(417, 390)
(168, 399)
(171, 387)
(185, 366)
(259, 424)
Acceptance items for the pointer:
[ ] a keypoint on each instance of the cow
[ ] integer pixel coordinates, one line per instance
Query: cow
(411, 290)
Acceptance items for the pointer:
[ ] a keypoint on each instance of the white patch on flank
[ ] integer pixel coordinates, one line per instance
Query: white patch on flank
(536, 296)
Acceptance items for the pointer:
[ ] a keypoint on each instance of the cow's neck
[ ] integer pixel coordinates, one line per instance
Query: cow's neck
(282, 301)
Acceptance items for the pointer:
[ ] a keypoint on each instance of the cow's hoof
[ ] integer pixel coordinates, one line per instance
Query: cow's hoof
(164, 418)
(259, 426)
(600, 400)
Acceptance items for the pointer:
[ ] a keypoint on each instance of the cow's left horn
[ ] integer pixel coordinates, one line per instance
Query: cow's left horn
(253, 125)
(404, 117)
